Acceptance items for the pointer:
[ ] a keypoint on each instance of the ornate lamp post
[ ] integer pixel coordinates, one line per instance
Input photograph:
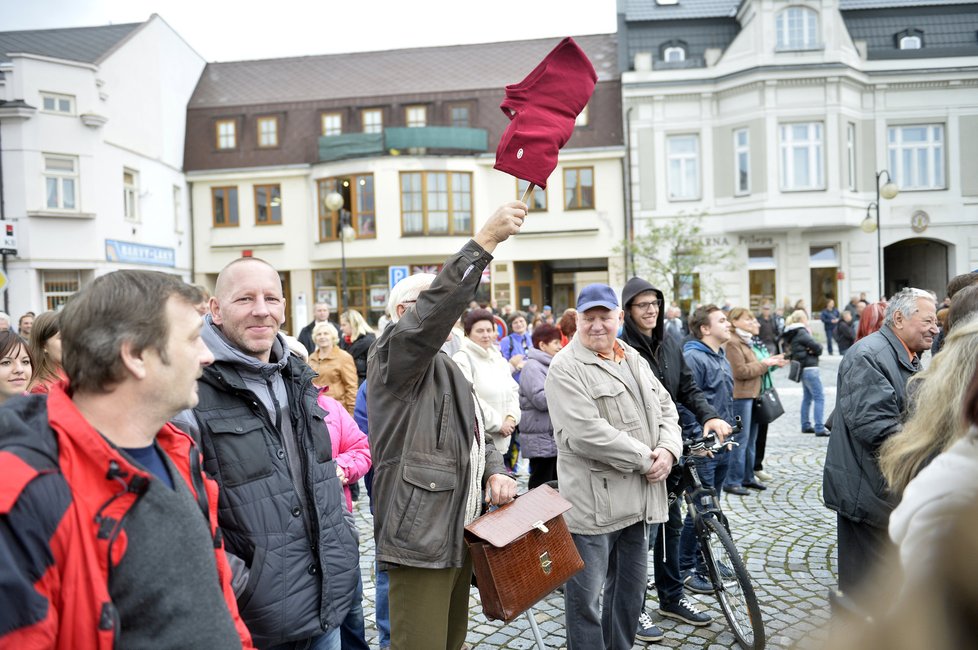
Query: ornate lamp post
(334, 203)
(888, 191)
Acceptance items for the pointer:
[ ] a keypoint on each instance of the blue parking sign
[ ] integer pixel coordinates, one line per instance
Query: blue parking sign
(396, 274)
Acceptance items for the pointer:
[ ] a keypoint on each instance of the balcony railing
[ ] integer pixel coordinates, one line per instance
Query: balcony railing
(433, 139)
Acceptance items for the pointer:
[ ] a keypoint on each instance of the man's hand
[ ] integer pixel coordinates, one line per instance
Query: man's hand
(662, 461)
(718, 426)
(504, 223)
(500, 489)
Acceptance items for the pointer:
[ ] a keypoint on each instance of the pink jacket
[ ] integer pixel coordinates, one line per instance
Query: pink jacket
(349, 443)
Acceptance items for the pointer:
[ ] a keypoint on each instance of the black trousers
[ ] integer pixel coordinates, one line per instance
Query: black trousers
(541, 471)
(863, 550)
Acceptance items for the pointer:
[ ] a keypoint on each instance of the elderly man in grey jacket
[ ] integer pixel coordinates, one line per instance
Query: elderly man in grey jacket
(618, 436)
(871, 405)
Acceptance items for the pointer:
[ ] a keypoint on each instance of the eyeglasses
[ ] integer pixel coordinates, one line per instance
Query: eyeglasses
(647, 306)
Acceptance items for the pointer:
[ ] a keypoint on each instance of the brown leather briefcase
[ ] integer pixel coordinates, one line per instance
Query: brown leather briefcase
(521, 552)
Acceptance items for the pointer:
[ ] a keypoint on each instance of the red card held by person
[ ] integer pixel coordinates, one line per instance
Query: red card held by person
(542, 109)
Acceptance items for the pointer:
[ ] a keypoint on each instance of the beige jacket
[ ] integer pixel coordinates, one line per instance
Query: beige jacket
(604, 440)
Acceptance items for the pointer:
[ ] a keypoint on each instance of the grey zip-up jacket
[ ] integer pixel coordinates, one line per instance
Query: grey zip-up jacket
(422, 425)
(281, 506)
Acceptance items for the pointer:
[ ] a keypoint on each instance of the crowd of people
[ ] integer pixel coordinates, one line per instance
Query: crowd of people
(170, 455)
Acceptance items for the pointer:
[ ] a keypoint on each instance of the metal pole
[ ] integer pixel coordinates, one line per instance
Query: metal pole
(343, 259)
(879, 236)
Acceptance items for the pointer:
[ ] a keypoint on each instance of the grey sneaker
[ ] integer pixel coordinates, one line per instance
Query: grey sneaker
(686, 612)
(698, 584)
(647, 630)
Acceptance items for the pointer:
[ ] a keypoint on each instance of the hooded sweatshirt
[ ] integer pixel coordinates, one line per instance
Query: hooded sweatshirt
(664, 354)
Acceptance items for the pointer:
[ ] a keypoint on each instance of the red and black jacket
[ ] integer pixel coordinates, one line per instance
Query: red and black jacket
(64, 494)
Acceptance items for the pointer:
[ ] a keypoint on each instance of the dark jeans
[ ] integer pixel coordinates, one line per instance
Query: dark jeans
(602, 602)
(665, 556)
(541, 471)
(829, 336)
(712, 472)
(352, 633)
(760, 446)
(742, 456)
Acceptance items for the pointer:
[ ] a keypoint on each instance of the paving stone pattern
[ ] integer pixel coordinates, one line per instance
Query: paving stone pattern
(785, 535)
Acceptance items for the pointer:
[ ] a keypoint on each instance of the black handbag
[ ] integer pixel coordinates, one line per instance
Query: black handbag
(794, 370)
(767, 406)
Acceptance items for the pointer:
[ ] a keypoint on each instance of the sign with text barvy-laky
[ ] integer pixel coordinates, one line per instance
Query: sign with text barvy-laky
(127, 252)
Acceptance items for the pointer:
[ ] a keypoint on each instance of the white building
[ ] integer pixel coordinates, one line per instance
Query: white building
(776, 119)
(92, 141)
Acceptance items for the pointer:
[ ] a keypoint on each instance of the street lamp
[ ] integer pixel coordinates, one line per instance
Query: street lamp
(334, 203)
(868, 225)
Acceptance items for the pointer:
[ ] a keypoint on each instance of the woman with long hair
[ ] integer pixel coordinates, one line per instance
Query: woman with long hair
(16, 366)
(357, 339)
(45, 346)
(806, 350)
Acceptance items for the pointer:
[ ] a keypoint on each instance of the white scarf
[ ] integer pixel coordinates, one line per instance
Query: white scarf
(477, 466)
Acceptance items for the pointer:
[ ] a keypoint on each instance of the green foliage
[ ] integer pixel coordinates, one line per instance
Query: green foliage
(673, 252)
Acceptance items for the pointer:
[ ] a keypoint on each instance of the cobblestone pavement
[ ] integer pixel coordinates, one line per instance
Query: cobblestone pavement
(785, 535)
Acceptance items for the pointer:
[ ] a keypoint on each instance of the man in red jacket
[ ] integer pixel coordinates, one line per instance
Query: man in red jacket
(108, 526)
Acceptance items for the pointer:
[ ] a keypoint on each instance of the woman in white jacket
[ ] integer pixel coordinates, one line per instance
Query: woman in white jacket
(496, 390)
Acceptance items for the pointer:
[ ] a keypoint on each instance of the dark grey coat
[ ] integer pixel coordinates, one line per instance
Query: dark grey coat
(281, 507)
(870, 408)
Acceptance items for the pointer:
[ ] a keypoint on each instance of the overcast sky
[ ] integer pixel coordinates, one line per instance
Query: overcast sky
(225, 30)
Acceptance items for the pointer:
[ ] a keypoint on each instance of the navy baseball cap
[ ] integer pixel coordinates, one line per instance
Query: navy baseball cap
(597, 295)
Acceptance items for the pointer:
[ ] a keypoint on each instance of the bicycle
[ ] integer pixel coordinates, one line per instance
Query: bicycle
(726, 571)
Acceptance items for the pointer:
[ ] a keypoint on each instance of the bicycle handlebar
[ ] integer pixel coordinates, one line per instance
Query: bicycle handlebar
(709, 441)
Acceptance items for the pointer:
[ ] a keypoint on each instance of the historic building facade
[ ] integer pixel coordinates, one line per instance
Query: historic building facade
(776, 121)
(407, 138)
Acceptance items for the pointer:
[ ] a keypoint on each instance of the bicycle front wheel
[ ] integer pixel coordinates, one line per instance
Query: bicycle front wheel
(732, 585)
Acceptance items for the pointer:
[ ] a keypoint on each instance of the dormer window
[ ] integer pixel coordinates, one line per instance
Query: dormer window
(910, 39)
(797, 29)
(674, 52)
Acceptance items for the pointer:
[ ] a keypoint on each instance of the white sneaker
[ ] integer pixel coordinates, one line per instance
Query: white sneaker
(764, 476)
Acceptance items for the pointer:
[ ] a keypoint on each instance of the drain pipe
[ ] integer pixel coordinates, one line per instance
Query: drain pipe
(629, 217)
(3, 217)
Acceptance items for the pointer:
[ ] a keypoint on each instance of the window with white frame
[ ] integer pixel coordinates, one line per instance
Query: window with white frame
(61, 182)
(674, 54)
(58, 287)
(917, 156)
(55, 103)
(372, 120)
(416, 116)
(741, 145)
(332, 124)
(910, 39)
(797, 28)
(851, 154)
(130, 194)
(267, 132)
(801, 156)
(226, 132)
(683, 167)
